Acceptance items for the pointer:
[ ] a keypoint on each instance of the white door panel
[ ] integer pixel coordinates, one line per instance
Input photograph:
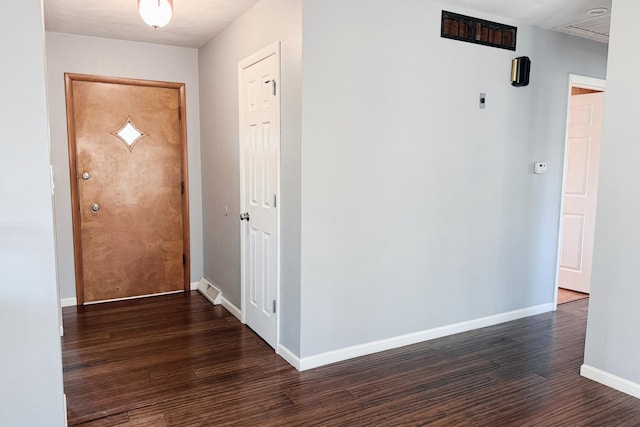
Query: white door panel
(573, 244)
(578, 166)
(581, 191)
(259, 152)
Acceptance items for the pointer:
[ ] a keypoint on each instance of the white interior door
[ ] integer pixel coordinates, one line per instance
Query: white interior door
(259, 152)
(581, 191)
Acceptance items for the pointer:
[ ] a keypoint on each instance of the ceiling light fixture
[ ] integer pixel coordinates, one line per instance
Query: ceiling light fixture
(597, 11)
(156, 13)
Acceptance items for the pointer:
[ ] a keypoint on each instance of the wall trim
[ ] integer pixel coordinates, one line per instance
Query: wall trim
(339, 355)
(232, 308)
(68, 302)
(587, 82)
(610, 380)
(289, 356)
(194, 285)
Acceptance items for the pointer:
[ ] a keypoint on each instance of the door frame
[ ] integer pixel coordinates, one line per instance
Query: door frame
(272, 49)
(583, 82)
(69, 78)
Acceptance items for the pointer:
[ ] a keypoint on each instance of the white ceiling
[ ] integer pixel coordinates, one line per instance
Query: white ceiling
(195, 22)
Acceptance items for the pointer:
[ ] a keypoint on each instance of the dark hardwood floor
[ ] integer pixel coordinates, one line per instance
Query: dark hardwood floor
(179, 361)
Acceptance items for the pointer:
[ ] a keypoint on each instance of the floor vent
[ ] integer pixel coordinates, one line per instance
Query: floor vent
(210, 292)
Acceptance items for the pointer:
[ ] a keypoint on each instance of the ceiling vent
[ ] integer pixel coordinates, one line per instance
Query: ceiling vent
(596, 28)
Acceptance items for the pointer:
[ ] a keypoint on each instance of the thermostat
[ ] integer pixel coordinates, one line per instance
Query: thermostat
(540, 167)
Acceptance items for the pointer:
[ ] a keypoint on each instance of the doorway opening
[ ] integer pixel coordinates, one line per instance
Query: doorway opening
(585, 106)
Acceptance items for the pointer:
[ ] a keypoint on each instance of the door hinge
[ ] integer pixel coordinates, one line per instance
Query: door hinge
(274, 306)
(184, 260)
(275, 200)
(179, 112)
(273, 83)
(181, 187)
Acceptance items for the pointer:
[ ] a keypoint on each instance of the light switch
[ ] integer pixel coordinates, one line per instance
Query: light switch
(540, 167)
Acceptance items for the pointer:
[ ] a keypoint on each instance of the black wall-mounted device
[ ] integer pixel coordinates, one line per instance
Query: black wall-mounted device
(520, 70)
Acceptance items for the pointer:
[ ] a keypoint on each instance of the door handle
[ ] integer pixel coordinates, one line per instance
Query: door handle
(245, 215)
(95, 207)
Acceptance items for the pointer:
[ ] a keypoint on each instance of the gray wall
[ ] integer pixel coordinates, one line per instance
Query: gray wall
(30, 362)
(418, 209)
(556, 56)
(406, 207)
(612, 338)
(267, 22)
(106, 57)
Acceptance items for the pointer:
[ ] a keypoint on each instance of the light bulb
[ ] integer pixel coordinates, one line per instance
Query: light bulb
(156, 13)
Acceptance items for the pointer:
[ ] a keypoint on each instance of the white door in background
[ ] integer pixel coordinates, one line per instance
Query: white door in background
(259, 166)
(581, 191)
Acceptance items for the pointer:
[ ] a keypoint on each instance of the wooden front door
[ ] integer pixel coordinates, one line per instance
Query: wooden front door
(127, 150)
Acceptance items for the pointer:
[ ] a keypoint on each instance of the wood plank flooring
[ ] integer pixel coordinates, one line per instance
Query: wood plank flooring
(177, 360)
(566, 295)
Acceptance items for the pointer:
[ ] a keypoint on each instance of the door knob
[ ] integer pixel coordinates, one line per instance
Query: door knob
(95, 207)
(245, 215)
(85, 175)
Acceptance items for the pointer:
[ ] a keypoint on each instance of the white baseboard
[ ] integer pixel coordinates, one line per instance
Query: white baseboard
(610, 380)
(194, 286)
(339, 355)
(232, 308)
(289, 356)
(68, 302)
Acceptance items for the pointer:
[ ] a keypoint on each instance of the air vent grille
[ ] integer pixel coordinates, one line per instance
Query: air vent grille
(479, 31)
(592, 28)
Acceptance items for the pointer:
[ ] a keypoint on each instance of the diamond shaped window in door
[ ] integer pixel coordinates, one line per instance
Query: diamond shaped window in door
(129, 134)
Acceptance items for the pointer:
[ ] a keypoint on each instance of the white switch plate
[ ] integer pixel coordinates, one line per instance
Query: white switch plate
(540, 167)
